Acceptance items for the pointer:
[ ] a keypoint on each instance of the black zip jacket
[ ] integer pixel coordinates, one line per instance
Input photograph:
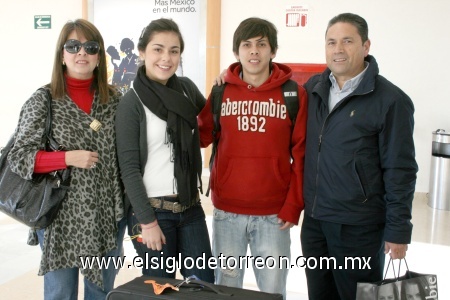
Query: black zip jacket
(360, 165)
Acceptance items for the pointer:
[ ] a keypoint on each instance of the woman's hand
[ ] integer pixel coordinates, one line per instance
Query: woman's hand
(220, 79)
(81, 159)
(152, 236)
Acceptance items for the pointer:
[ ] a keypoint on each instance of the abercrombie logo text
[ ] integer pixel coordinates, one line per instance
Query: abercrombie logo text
(252, 114)
(432, 288)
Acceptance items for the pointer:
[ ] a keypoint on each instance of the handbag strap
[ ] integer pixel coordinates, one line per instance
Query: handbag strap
(50, 141)
(397, 276)
(48, 123)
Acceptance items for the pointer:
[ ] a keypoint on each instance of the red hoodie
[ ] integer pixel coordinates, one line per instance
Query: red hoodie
(252, 172)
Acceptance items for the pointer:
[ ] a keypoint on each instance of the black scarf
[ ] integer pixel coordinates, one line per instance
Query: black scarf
(170, 104)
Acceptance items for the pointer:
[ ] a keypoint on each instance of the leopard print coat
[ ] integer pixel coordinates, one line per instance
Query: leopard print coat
(86, 225)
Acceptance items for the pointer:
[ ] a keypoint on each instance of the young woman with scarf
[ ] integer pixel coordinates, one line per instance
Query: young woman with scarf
(160, 160)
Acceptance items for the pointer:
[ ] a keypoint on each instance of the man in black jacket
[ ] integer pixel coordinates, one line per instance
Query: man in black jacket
(360, 168)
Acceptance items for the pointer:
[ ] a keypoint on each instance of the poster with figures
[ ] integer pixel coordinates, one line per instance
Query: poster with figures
(121, 24)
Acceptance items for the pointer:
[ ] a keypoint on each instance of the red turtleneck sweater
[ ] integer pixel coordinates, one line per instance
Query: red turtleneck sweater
(80, 93)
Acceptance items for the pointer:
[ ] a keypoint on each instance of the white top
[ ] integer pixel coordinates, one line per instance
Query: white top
(158, 177)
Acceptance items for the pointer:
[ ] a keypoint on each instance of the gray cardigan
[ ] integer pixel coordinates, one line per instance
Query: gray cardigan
(131, 132)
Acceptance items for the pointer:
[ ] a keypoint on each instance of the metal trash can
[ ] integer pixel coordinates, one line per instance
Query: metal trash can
(439, 195)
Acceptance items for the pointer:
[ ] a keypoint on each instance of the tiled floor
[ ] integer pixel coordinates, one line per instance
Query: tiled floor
(427, 254)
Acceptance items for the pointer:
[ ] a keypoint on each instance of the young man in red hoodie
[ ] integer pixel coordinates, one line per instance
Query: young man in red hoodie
(257, 175)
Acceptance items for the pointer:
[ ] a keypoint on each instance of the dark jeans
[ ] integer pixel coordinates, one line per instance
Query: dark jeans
(362, 243)
(187, 245)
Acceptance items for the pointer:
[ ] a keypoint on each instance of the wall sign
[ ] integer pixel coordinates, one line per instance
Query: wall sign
(43, 22)
(297, 16)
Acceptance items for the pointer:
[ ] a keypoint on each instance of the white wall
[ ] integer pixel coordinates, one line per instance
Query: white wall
(410, 41)
(27, 53)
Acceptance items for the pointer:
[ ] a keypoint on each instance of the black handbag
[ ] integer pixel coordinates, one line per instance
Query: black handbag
(34, 202)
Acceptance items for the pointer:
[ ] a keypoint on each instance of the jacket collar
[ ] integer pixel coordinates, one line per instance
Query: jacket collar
(322, 88)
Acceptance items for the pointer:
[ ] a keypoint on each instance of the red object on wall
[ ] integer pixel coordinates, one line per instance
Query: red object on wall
(302, 72)
(303, 19)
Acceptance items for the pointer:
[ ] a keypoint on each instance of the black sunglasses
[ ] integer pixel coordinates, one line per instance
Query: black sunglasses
(74, 46)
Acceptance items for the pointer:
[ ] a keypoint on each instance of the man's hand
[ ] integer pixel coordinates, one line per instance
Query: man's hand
(285, 224)
(397, 251)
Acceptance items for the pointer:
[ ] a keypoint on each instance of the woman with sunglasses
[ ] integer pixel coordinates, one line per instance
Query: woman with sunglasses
(90, 223)
(160, 160)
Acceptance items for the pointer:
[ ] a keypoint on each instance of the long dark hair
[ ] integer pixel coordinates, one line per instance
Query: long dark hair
(100, 82)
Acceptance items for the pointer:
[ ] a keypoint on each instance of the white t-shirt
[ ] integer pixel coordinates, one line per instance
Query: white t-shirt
(158, 177)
